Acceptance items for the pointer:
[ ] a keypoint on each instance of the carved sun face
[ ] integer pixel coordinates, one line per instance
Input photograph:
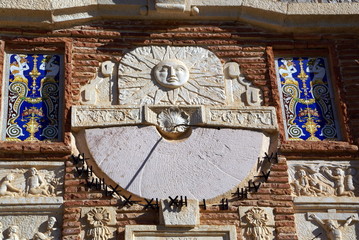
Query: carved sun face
(171, 75)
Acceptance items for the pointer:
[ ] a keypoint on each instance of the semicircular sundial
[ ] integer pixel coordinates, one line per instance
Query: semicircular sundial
(184, 123)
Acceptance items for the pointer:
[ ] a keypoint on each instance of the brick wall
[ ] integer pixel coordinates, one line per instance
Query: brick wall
(86, 46)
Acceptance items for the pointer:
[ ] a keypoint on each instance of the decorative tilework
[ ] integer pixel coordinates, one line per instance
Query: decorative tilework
(33, 97)
(306, 98)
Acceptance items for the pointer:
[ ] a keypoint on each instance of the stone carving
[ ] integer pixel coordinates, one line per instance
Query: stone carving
(37, 185)
(6, 188)
(262, 118)
(173, 120)
(240, 91)
(171, 75)
(50, 228)
(331, 226)
(12, 233)
(30, 182)
(245, 117)
(109, 116)
(319, 180)
(98, 218)
(342, 183)
(256, 228)
(100, 90)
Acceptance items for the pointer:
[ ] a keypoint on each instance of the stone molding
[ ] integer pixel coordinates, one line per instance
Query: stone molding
(280, 16)
(137, 232)
(234, 117)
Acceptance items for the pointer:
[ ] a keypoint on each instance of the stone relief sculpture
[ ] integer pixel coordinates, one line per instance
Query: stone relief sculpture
(29, 183)
(47, 235)
(100, 90)
(6, 188)
(171, 75)
(331, 227)
(13, 232)
(240, 90)
(319, 180)
(257, 224)
(98, 218)
(173, 120)
(342, 183)
(37, 185)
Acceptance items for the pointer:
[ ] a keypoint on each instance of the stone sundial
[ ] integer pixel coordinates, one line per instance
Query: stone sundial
(184, 124)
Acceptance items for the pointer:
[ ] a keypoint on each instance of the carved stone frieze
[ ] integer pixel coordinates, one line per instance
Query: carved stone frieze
(246, 117)
(157, 75)
(237, 117)
(18, 181)
(87, 116)
(319, 178)
(29, 227)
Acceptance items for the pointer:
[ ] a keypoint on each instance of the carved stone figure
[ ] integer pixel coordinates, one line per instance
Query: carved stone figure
(331, 227)
(13, 233)
(98, 218)
(36, 185)
(6, 188)
(257, 224)
(339, 179)
(47, 235)
(307, 186)
(327, 180)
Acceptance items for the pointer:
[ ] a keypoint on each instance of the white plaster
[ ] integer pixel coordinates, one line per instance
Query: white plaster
(208, 163)
(179, 216)
(203, 232)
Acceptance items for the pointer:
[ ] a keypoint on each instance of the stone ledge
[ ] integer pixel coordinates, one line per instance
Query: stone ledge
(303, 148)
(305, 203)
(279, 16)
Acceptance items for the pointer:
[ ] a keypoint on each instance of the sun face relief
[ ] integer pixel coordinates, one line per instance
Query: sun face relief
(171, 73)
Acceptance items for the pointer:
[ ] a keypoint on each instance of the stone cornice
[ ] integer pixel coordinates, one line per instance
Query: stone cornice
(269, 14)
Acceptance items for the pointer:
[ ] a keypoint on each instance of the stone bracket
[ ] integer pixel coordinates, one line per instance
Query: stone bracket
(263, 118)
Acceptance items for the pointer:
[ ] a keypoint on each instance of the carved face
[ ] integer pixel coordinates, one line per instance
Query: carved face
(171, 73)
(51, 222)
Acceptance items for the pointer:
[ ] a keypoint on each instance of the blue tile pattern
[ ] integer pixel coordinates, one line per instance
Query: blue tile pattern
(306, 98)
(33, 97)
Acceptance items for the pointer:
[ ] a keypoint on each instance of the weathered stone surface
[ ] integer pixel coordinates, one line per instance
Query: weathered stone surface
(207, 163)
(179, 216)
